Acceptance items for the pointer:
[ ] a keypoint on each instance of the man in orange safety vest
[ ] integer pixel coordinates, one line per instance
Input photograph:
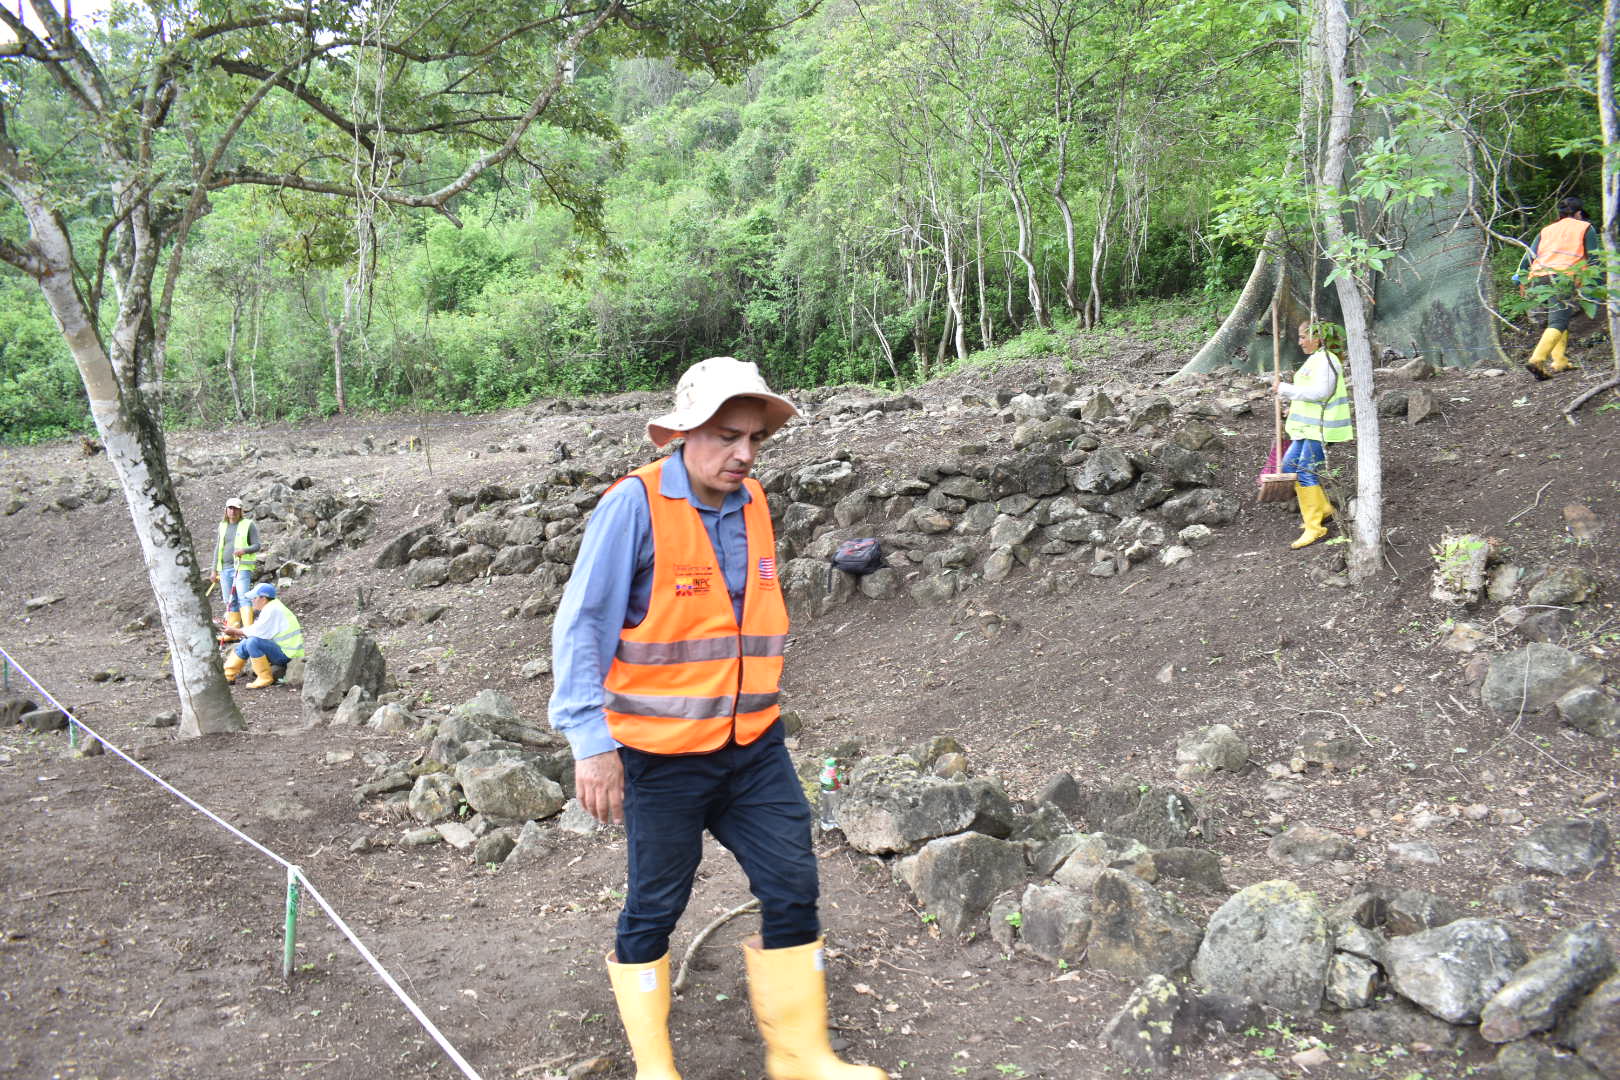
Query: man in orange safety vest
(1558, 253)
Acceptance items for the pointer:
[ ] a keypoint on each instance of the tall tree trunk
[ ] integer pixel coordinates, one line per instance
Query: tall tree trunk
(1367, 528)
(1236, 330)
(230, 353)
(1611, 173)
(134, 445)
(987, 330)
(1062, 201)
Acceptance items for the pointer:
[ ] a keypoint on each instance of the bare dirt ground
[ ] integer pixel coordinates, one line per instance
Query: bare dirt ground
(141, 940)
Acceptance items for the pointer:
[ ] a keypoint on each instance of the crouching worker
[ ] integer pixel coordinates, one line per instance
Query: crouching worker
(668, 649)
(271, 640)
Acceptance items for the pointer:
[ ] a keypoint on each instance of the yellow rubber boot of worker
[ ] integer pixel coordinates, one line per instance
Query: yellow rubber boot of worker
(1560, 358)
(266, 677)
(788, 989)
(1312, 503)
(234, 663)
(642, 991)
(231, 619)
(1538, 358)
(247, 615)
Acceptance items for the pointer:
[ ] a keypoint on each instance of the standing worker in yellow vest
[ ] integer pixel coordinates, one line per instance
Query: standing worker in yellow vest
(236, 556)
(271, 640)
(1318, 413)
(1558, 253)
(667, 650)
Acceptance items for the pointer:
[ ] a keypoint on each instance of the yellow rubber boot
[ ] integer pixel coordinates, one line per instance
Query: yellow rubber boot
(247, 615)
(1560, 359)
(642, 991)
(788, 989)
(232, 618)
(266, 677)
(234, 664)
(1544, 347)
(1313, 506)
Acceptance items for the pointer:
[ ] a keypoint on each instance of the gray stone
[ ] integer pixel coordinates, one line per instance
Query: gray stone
(12, 707)
(1200, 506)
(577, 820)
(1269, 942)
(955, 878)
(1153, 1027)
(1351, 937)
(493, 848)
(1329, 750)
(392, 717)
(965, 487)
(1453, 970)
(1540, 993)
(884, 584)
(470, 564)
(422, 837)
(1591, 710)
(1054, 922)
(347, 656)
(1217, 746)
(1092, 853)
(428, 574)
(1198, 867)
(1593, 1029)
(935, 589)
(1564, 587)
(1154, 412)
(433, 798)
(1162, 818)
(1136, 930)
(1096, 406)
(508, 789)
(357, 705)
(532, 848)
(822, 483)
(1352, 981)
(999, 564)
(1414, 853)
(1182, 467)
(1043, 825)
(1307, 845)
(522, 559)
(1105, 469)
(456, 835)
(41, 721)
(1393, 1021)
(889, 806)
(394, 554)
(1537, 1061)
(808, 590)
(1566, 847)
(1533, 677)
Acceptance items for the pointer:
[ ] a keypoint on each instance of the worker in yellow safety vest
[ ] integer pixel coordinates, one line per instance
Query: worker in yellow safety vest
(271, 640)
(1558, 257)
(1318, 413)
(236, 557)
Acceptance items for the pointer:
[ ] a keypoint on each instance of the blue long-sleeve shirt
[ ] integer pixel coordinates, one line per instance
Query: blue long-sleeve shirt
(610, 590)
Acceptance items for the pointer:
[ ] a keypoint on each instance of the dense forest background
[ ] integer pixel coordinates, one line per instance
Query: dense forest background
(903, 186)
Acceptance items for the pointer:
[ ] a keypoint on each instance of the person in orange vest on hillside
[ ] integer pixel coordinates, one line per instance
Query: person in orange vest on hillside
(667, 652)
(1559, 252)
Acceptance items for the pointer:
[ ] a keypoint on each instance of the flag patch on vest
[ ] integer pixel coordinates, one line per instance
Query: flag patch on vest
(767, 568)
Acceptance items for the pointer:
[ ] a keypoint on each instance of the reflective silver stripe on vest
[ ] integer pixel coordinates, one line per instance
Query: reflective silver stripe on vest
(764, 644)
(677, 652)
(1317, 421)
(688, 708)
(751, 703)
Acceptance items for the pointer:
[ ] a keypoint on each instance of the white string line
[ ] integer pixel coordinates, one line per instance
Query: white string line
(343, 927)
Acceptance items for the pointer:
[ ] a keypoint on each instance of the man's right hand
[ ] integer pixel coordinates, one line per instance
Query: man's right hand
(599, 784)
(213, 575)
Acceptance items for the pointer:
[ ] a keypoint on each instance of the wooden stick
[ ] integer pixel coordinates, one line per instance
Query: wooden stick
(703, 935)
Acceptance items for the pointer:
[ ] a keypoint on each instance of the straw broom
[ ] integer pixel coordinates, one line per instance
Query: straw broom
(1276, 486)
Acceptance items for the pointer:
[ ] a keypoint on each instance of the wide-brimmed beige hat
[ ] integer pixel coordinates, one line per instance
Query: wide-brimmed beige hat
(709, 384)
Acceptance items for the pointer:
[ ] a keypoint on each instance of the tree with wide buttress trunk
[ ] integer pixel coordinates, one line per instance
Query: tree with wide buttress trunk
(113, 138)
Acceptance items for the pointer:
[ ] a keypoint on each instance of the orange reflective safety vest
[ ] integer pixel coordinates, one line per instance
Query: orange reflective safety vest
(1561, 246)
(688, 678)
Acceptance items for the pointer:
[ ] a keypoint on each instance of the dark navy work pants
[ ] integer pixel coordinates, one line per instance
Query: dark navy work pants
(750, 799)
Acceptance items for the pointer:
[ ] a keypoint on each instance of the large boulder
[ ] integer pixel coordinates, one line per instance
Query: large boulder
(1200, 506)
(1136, 930)
(1540, 993)
(347, 656)
(1566, 847)
(508, 786)
(397, 551)
(1453, 970)
(1105, 470)
(955, 878)
(1054, 922)
(1154, 1025)
(1269, 942)
(823, 483)
(1531, 678)
(891, 807)
(1594, 1028)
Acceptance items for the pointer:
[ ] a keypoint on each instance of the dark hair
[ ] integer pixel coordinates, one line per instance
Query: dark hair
(1570, 205)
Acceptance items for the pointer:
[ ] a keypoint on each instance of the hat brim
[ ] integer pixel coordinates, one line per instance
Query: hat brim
(778, 411)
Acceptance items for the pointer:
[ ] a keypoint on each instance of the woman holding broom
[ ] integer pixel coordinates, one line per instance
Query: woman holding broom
(1318, 413)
